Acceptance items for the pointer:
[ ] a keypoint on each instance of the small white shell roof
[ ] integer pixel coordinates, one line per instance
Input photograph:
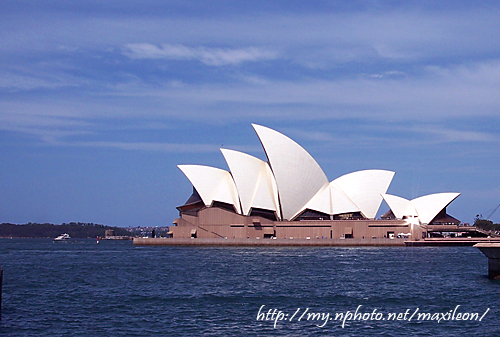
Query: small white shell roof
(298, 175)
(397, 204)
(254, 181)
(365, 189)
(430, 205)
(212, 184)
(426, 207)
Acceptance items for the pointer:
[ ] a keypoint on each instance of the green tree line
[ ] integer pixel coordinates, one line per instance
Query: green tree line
(486, 224)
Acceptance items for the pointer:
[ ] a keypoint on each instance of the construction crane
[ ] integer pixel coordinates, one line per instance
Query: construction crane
(491, 214)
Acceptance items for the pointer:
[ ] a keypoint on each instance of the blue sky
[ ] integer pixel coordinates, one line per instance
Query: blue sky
(99, 101)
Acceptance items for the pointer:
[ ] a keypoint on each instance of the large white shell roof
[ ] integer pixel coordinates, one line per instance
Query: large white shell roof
(291, 181)
(298, 175)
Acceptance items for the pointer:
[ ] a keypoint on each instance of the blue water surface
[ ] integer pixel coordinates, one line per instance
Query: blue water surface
(80, 288)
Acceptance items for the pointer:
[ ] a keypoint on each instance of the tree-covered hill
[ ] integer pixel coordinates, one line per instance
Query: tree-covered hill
(46, 230)
(486, 224)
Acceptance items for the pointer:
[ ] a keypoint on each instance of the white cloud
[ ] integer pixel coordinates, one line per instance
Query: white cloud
(312, 37)
(205, 55)
(450, 92)
(441, 94)
(453, 135)
(144, 146)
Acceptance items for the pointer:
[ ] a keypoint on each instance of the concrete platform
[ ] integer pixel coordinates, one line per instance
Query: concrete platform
(450, 241)
(492, 252)
(378, 242)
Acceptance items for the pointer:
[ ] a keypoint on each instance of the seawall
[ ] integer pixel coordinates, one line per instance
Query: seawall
(269, 242)
(450, 241)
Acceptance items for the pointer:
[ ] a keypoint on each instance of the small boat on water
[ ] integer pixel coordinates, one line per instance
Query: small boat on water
(63, 237)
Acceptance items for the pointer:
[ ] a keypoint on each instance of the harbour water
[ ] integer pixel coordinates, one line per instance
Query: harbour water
(80, 288)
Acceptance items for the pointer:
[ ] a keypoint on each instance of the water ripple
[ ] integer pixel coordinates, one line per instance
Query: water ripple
(115, 289)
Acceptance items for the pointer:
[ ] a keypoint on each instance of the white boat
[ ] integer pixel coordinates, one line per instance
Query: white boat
(63, 237)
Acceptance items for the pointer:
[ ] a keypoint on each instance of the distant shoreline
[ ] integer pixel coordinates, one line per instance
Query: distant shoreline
(77, 230)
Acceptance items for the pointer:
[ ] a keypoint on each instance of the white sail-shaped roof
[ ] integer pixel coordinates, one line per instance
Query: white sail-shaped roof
(298, 175)
(365, 189)
(398, 205)
(411, 211)
(428, 206)
(425, 207)
(341, 203)
(254, 181)
(291, 181)
(212, 184)
(321, 202)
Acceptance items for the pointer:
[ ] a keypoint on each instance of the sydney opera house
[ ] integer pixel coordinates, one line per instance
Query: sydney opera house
(289, 196)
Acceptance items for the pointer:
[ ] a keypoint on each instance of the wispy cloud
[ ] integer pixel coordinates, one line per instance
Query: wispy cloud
(205, 55)
(143, 146)
(441, 94)
(445, 134)
(87, 81)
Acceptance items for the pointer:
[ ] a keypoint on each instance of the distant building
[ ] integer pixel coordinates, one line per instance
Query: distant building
(289, 196)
